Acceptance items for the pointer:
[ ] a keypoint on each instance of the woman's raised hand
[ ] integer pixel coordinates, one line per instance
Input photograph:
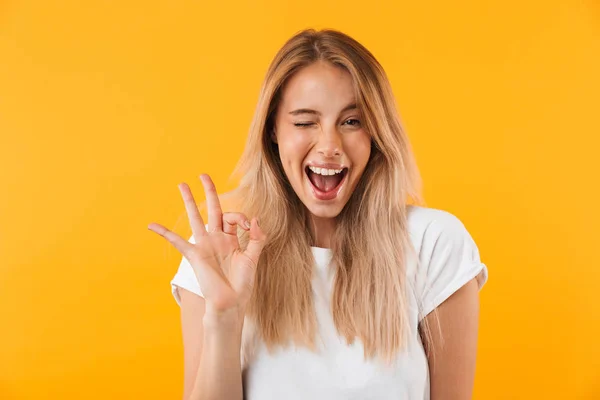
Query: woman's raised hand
(225, 272)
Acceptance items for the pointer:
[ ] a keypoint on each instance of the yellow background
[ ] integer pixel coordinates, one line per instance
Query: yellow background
(105, 106)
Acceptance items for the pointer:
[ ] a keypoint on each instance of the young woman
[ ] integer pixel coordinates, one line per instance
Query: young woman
(331, 279)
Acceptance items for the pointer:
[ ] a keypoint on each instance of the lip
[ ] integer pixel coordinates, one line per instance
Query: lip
(332, 194)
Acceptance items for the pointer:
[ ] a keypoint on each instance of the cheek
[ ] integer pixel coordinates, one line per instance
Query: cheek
(292, 148)
(359, 149)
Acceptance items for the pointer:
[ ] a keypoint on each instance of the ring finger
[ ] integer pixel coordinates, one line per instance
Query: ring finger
(215, 214)
(196, 221)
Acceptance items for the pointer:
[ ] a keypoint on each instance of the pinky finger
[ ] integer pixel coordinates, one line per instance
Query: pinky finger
(177, 241)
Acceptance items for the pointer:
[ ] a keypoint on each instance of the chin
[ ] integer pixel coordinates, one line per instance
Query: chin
(325, 211)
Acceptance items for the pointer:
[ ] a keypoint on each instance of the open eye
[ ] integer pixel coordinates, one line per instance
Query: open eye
(354, 122)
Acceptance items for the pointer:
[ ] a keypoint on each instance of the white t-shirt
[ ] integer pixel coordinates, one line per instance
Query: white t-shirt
(448, 257)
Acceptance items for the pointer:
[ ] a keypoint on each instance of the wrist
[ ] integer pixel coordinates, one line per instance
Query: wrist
(222, 320)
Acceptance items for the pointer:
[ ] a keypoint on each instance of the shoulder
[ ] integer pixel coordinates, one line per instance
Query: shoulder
(420, 215)
(426, 223)
(438, 233)
(446, 255)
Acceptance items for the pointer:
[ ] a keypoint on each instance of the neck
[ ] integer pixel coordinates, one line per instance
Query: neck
(322, 229)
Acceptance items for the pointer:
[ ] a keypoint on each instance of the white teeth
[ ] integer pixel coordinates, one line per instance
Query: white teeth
(324, 171)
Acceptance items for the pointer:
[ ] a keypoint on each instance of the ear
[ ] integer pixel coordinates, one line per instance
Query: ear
(273, 135)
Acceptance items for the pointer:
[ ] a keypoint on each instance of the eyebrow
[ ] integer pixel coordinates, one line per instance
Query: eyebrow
(310, 111)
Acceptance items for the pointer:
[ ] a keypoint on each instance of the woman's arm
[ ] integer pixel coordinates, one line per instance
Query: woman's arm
(212, 367)
(452, 344)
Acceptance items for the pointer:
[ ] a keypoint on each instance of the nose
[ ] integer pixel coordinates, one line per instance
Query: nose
(330, 143)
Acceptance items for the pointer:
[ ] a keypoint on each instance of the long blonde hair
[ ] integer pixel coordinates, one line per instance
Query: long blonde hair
(371, 237)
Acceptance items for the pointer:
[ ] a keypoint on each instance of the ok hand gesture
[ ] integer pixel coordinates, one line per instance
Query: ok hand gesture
(225, 272)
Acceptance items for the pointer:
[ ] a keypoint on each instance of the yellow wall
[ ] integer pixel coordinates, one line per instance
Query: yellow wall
(106, 106)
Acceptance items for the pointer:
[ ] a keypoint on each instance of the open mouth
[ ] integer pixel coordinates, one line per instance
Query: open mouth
(326, 183)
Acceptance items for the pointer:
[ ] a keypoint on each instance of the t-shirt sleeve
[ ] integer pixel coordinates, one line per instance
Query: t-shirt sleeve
(449, 258)
(185, 278)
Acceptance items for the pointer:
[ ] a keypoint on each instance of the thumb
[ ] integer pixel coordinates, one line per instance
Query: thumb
(257, 241)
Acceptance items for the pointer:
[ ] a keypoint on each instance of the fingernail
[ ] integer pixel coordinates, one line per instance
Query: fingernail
(257, 222)
(247, 224)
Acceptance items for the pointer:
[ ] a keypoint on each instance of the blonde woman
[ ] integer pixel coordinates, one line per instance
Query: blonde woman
(330, 280)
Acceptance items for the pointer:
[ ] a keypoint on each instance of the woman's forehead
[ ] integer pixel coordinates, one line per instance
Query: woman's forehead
(325, 88)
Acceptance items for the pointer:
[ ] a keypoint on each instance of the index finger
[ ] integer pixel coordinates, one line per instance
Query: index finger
(215, 214)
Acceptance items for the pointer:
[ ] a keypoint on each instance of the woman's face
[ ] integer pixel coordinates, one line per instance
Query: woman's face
(322, 143)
